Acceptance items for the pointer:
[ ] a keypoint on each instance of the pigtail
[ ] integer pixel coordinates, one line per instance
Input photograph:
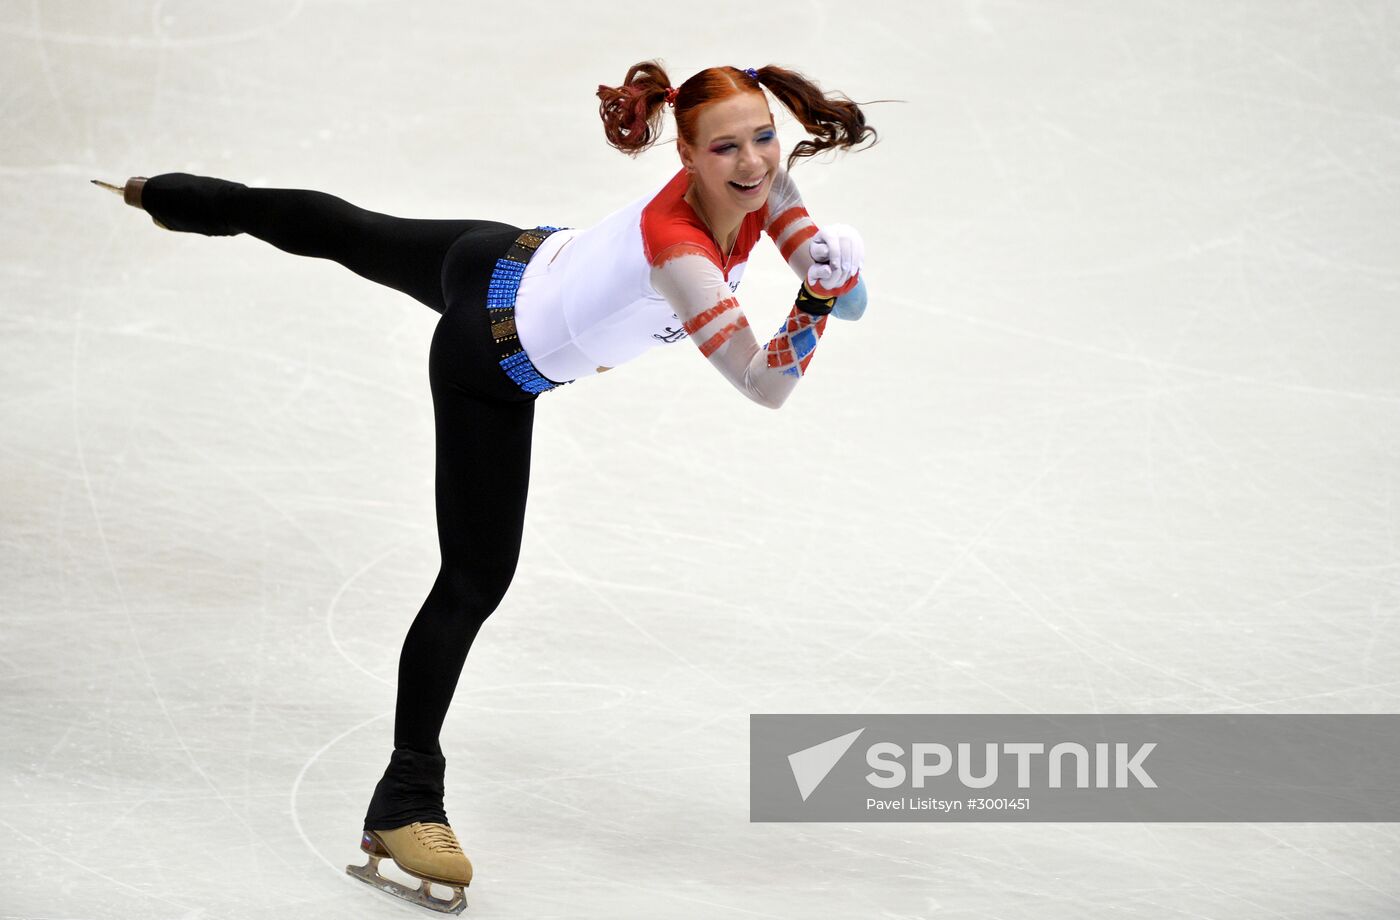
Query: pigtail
(631, 112)
(833, 121)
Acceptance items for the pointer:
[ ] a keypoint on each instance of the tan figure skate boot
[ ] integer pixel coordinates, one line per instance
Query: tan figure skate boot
(428, 852)
(131, 194)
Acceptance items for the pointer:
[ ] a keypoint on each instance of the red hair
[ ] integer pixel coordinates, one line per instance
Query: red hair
(631, 112)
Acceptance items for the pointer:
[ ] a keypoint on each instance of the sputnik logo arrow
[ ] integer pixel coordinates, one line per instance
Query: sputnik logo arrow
(811, 765)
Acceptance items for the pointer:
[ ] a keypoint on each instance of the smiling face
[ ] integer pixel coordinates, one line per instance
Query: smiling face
(734, 157)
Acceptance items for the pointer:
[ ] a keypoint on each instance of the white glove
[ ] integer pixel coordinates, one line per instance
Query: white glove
(837, 252)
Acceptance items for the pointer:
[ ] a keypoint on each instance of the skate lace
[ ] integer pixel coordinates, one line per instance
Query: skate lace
(438, 837)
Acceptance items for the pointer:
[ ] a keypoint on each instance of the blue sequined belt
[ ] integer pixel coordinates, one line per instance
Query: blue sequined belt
(500, 306)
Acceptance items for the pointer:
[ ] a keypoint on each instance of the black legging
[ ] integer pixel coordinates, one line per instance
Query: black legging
(482, 421)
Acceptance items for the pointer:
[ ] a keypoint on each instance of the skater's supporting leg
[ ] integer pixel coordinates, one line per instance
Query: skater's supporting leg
(482, 477)
(483, 470)
(402, 253)
(482, 474)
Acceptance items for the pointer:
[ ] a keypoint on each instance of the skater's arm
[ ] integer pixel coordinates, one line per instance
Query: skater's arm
(697, 291)
(791, 228)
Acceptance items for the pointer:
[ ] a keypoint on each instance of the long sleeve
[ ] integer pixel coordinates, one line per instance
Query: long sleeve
(696, 290)
(791, 227)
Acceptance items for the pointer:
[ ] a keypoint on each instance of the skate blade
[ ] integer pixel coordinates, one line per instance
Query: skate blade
(121, 190)
(422, 896)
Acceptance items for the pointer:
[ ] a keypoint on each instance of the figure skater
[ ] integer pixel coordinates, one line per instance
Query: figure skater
(525, 311)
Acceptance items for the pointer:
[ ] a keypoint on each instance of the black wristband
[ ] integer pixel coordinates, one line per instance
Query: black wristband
(813, 305)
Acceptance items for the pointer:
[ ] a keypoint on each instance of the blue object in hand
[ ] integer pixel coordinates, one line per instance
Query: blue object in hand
(851, 305)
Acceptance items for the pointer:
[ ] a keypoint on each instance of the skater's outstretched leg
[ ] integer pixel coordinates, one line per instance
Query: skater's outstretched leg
(402, 253)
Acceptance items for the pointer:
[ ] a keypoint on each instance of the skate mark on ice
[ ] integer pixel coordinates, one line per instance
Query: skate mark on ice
(81, 451)
(301, 774)
(335, 600)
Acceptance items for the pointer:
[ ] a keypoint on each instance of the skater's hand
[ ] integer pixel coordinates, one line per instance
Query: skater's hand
(838, 253)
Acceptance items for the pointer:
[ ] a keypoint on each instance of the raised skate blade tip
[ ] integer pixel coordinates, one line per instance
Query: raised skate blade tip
(422, 896)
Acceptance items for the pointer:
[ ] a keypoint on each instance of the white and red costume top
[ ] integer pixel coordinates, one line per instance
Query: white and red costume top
(652, 274)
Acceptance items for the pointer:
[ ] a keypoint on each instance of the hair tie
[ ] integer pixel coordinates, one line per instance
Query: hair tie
(671, 94)
(753, 74)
